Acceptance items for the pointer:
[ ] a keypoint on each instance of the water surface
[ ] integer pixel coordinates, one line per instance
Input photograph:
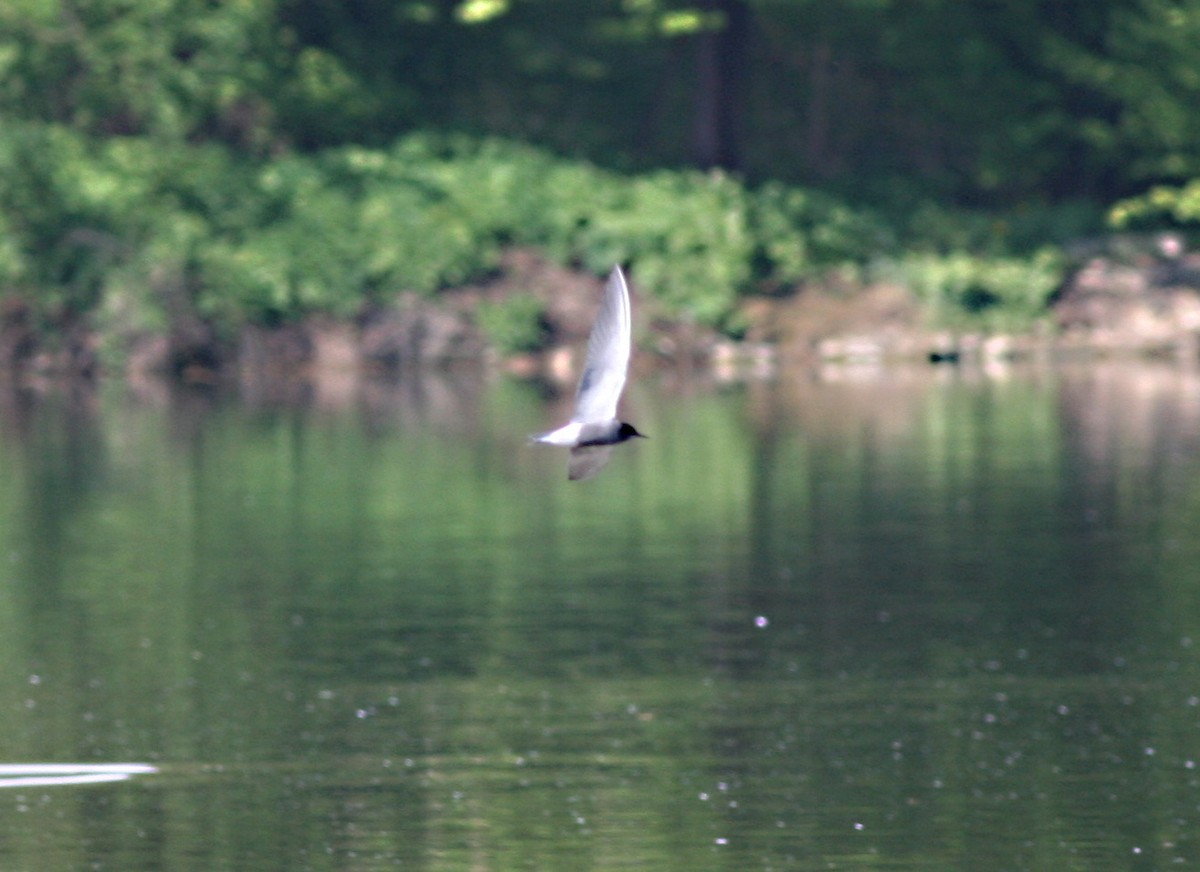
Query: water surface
(923, 619)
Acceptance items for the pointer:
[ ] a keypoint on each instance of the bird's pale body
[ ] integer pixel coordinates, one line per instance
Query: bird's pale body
(594, 427)
(577, 433)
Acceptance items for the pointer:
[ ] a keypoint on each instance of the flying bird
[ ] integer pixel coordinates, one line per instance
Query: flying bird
(594, 427)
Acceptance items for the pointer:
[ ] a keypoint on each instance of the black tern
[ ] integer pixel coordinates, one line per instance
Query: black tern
(594, 427)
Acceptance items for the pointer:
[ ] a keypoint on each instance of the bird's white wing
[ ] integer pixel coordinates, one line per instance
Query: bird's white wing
(607, 361)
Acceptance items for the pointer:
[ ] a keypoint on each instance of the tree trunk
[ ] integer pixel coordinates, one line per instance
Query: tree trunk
(720, 71)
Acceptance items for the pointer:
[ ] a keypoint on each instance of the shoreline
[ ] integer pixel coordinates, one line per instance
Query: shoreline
(1147, 305)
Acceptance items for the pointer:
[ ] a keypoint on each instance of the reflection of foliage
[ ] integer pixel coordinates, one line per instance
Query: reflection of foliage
(292, 567)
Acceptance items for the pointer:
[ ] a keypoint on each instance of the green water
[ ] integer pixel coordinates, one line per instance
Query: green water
(929, 619)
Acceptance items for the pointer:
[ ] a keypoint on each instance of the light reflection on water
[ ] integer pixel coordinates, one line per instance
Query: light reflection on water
(928, 618)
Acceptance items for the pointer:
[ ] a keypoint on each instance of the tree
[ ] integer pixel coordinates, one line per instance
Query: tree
(1147, 70)
(168, 68)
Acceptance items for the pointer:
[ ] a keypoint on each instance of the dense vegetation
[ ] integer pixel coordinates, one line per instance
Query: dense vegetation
(255, 161)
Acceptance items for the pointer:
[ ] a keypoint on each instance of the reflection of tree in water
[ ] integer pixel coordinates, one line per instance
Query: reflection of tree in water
(906, 512)
(1119, 414)
(56, 462)
(1132, 437)
(60, 453)
(406, 631)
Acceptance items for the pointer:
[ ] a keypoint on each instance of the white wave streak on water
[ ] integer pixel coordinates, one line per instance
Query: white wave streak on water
(60, 774)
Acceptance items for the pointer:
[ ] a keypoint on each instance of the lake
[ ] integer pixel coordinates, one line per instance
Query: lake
(928, 618)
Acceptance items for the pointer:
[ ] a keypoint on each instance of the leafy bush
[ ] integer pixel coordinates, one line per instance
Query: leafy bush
(440, 209)
(966, 290)
(1178, 204)
(687, 235)
(517, 324)
(801, 233)
(12, 259)
(141, 230)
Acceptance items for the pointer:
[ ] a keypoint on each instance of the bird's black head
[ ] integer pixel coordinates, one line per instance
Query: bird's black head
(627, 432)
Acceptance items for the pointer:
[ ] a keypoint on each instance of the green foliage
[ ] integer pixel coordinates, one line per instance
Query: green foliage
(12, 260)
(1179, 204)
(687, 235)
(802, 233)
(968, 290)
(999, 102)
(1025, 230)
(165, 68)
(141, 229)
(256, 160)
(1146, 68)
(517, 324)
